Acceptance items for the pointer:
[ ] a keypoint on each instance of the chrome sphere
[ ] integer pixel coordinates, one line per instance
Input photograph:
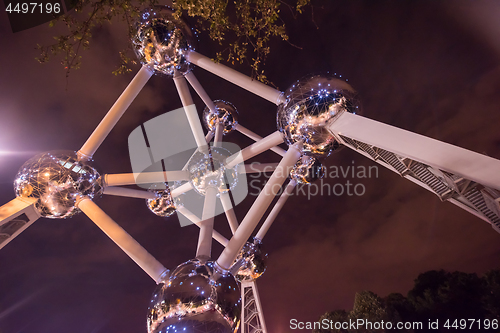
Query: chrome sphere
(163, 41)
(252, 260)
(206, 169)
(163, 205)
(197, 297)
(311, 104)
(307, 170)
(226, 114)
(56, 179)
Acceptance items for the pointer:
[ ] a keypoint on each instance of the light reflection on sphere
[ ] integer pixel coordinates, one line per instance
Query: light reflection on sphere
(307, 170)
(163, 205)
(253, 261)
(56, 179)
(206, 169)
(226, 114)
(162, 41)
(197, 298)
(311, 103)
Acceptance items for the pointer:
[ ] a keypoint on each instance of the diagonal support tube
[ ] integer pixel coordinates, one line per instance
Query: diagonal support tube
(245, 131)
(254, 149)
(193, 218)
(229, 211)
(204, 249)
(129, 192)
(193, 81)
(229, 74)
(276, 209)
(192, 116)
(120, 179)
(126, 242)
(114, 114)
(258, 208)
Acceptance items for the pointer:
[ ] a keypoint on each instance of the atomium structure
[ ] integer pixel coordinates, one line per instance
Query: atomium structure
(315, 116)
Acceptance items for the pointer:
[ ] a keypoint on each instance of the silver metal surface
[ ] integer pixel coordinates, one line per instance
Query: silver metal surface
(56, 179)
(307, 170)
(312, 103)
(252, 261)
(206, 169)
(162, 41)
(226, 114)
(198, 297)
(163, 205)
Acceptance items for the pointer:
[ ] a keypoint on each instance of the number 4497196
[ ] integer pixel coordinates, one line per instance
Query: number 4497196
(468, 324)
(34, 7)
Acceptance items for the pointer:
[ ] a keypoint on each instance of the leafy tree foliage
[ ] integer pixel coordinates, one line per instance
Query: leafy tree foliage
(436, 295)
(242, 28)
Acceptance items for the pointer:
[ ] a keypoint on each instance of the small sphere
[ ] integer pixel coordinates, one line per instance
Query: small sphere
(226, 114)
(311, 104)
(253, 261)
(163, 205)
(206, 169)
(163, 41)
(307, 170)
(197, 297)
(56, 179)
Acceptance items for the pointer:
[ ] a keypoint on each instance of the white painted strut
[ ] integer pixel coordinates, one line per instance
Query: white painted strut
(181, 189)
(258, 208)
(276, 209)
(439, 155)
(245, 131)
(204, 249)
(120, 179)
(193, 81)
(254, 149)
(114, 114)
(219, 131)
(196, 220)
(128, 244)
(229, 74)
(192, 116)
(229, 211)
(12, 211)
(129, 192)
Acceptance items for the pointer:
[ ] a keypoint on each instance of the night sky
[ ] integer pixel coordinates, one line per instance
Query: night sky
(431, 67)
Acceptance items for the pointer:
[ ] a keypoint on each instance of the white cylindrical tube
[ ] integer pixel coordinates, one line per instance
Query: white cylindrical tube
(256, 148)
(229, 74)
(114, 114)
(128, 244)
(219, 131)
(204, 249)
(192, 116)
(209, 136)
(228, 209)
(129, 192)
(120, 179)
(245, 131)
(193, 81)
(193, 218)
(258, 208)
(276, 209)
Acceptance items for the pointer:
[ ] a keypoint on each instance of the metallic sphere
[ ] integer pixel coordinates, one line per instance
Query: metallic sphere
(56, 179)
(206, 169)
(307, 170)
(198, 297)
(163, 41)
(252, 261)
(226, 114)
(311, 104)
(163, 205)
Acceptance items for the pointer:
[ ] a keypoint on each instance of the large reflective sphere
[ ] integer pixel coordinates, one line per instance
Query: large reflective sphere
(206, 169)
(252, 261)
(197, 298)
(307, 170)
(162, 41)
(225, 113)
(311, 103)
(163, 205)
(56, 179)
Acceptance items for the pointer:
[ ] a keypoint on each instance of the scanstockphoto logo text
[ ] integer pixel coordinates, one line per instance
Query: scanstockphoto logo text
(337, 180)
